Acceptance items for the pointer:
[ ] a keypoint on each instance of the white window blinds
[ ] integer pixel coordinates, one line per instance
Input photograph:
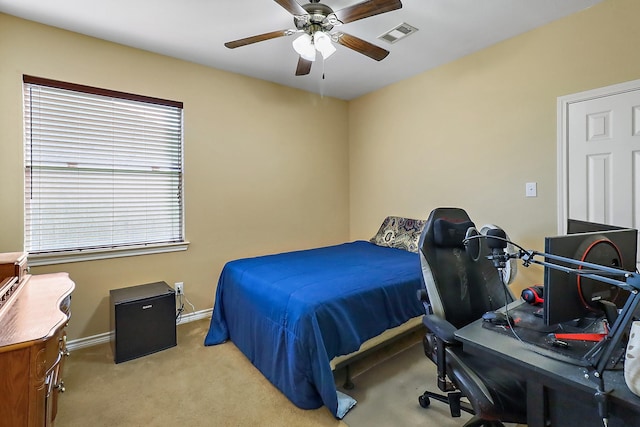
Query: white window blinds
(103, 170)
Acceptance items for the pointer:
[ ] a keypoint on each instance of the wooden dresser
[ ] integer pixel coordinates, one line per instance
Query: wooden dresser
(34, 312)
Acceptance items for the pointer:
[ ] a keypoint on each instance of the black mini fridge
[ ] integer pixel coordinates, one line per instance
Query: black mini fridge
(143, 320)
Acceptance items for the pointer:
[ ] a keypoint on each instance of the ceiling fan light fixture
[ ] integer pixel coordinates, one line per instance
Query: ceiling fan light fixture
(323, 44)
(304, 46)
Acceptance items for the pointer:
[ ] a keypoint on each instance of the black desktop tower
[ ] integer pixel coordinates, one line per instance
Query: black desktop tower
(143, 320)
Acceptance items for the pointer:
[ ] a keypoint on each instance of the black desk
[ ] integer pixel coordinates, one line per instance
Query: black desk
(560, 390)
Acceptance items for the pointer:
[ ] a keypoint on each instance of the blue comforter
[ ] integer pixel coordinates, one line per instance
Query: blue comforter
(291, 313)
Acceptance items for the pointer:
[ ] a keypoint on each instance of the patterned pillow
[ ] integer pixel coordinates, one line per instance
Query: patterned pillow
(398, 232)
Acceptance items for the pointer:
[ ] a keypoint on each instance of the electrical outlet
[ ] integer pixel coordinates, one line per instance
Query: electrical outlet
(179, 287)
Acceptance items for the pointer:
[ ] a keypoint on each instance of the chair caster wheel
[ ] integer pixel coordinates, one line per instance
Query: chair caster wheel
(424, 401)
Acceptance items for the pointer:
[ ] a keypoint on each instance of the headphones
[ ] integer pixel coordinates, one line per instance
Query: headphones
(534, 295)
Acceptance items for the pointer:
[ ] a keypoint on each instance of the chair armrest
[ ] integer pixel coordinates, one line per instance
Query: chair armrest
(441, 328)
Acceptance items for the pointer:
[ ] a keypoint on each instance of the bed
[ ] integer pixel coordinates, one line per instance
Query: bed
(292, 313)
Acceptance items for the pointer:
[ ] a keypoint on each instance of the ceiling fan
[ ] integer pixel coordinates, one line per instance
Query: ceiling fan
(315, 21)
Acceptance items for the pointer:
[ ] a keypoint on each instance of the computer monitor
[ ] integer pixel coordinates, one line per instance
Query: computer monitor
(568, 296)
(578, 226)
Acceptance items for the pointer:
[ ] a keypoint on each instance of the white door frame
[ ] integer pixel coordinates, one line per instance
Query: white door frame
(563, 144)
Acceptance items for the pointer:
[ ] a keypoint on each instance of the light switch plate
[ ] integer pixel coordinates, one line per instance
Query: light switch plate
(531, 189)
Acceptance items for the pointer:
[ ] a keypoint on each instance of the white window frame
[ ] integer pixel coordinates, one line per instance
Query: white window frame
(63, 135)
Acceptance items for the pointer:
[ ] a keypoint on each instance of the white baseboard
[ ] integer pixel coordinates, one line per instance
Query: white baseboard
(196, 315)
(106, 336)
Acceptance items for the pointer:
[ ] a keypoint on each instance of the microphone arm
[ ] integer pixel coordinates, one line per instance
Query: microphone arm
(632, 283)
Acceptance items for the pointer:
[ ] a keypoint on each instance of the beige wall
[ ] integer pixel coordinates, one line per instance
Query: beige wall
(473, 132)
(252, 184)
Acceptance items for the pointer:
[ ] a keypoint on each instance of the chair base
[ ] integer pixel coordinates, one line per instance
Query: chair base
(456, 406)
(452, 399)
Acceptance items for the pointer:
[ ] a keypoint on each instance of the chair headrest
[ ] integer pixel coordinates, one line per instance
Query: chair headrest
(448, 234)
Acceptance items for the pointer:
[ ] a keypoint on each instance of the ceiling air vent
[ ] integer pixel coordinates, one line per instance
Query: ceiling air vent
(397, 33)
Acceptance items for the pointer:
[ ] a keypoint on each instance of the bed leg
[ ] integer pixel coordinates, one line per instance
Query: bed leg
(348, 384)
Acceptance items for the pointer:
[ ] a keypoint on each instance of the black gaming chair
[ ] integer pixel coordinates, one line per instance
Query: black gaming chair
(458, 291)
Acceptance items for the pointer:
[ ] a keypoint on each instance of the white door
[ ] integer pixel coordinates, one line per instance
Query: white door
(600, 154)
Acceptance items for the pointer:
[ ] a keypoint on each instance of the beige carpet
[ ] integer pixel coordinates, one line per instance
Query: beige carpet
(387, 394)
(194, 385)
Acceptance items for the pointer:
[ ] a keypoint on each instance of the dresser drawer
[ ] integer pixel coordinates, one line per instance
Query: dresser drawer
(50, 354)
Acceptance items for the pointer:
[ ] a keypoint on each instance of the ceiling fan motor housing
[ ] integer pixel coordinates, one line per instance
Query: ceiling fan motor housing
(316, 18)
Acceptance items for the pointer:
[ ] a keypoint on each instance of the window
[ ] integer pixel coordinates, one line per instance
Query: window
(103, 173)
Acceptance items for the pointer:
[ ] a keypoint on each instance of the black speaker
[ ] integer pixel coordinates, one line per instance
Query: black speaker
(143, 320)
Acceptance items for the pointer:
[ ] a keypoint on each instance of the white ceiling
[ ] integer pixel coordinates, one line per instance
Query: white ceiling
(196, 30)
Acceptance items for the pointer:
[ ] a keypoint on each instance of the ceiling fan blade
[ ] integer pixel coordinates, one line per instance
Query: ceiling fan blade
(304, 67)
(259, 38)
(292, 6)
(366, 9)
(362, 46)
